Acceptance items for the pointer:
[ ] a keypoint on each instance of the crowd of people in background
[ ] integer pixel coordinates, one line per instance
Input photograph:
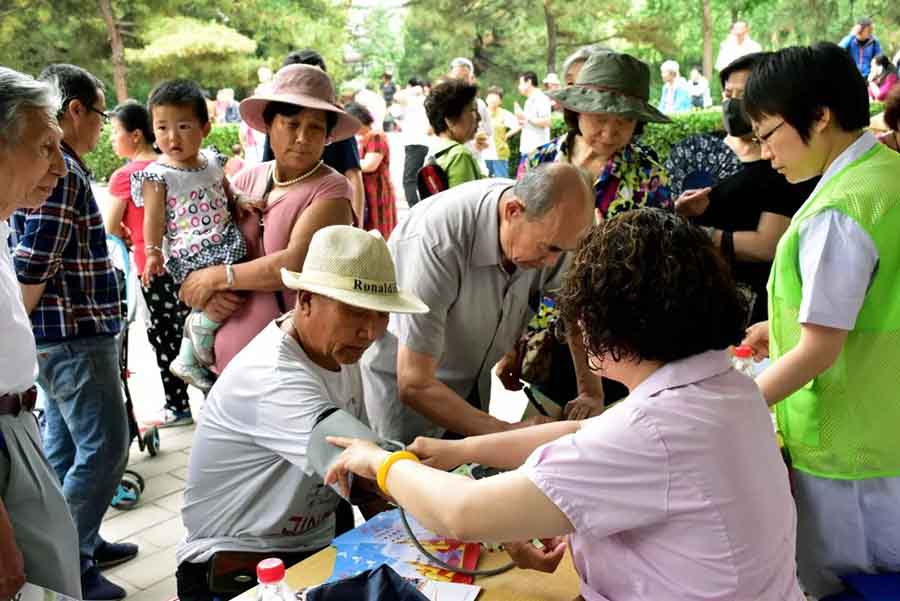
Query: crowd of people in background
(259, 280)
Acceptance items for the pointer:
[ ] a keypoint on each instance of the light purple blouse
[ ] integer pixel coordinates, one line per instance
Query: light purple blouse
(679, 492)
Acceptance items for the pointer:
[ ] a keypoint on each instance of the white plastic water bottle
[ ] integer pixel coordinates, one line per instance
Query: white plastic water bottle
(743, 360)
(272, 584)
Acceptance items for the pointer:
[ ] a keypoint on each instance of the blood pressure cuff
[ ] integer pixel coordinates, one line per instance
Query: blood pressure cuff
(321, 454)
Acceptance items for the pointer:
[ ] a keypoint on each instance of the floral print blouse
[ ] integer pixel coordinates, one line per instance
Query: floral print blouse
(632, 178)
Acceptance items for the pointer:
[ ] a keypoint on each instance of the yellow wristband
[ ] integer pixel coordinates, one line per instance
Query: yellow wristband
(388, 464)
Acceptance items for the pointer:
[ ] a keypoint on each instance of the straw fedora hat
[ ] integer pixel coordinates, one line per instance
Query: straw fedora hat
(305, 86)
(611, 82)
(354, 267)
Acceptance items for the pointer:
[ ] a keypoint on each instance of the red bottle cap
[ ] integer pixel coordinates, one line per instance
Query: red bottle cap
(270, 571)
(743, 352)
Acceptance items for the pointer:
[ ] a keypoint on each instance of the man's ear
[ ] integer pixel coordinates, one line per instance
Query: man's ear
(513, 208)
(825, 118)
(304, 302)
(74, 109)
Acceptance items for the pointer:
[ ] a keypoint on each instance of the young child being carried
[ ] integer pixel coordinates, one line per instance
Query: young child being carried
(188, 213)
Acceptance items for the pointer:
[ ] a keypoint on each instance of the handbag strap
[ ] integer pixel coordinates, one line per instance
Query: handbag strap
(270, 184)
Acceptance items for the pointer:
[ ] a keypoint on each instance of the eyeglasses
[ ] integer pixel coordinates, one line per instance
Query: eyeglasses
(764, 138)
(104, 116)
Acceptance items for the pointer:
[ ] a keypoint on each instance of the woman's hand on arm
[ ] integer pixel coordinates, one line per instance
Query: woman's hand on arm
(760, 245)
(818, 349)
(478, 509)
(505, 450)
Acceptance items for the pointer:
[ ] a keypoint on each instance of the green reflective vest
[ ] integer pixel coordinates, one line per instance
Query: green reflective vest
(846, 422)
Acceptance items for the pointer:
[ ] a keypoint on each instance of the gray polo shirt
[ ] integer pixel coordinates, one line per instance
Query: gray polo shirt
(447, 252)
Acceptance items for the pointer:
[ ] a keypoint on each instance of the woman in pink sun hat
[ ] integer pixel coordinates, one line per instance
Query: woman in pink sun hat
(297, 195)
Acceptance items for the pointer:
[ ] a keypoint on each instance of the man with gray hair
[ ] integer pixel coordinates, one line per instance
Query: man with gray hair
(38, 540)
(480, 255)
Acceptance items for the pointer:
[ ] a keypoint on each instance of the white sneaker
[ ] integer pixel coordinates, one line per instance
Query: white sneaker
(202, 339)
(194, 375)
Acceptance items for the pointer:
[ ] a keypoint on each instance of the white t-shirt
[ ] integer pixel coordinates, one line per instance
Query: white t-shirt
(18, 355)
(537, 107)
(249, 485)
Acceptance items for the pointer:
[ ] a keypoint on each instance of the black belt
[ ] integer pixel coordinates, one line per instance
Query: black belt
(15, 403)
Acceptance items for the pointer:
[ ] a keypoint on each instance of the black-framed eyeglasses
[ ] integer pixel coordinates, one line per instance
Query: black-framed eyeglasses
(104, 116)
(764, 138)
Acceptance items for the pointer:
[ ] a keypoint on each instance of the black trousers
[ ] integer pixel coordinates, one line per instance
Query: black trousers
(167, 315)
(415, 158)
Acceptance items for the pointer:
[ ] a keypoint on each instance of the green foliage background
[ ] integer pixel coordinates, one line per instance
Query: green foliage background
(102, 161)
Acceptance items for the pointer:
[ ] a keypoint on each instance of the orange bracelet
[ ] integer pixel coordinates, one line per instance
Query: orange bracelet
(388, 463)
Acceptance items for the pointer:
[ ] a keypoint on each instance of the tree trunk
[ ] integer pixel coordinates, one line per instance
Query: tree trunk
(118, 50)
(707, 39)
(550, 20)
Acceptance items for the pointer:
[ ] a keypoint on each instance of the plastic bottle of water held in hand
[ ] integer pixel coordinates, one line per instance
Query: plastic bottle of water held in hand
(743, 360)
(272, 584)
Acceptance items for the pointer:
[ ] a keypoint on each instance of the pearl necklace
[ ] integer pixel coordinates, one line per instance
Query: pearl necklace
(297, 179)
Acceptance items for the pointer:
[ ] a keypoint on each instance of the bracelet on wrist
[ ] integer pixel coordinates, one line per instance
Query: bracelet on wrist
(152, 248)
(388, 463)
(229, 276)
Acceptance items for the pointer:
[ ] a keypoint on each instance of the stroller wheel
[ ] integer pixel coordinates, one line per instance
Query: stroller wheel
(128, 493)
(133, 475)
(151, 440)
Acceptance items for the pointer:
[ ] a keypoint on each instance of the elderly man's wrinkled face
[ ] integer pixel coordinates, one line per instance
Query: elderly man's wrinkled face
(538, 243)
(31, 168)
(342, 332)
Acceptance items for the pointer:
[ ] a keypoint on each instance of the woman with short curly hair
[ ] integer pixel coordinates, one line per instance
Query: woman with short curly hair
(677, 492)
(453, 116)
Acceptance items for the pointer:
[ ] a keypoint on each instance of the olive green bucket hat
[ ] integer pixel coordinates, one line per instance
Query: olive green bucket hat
(611, 82)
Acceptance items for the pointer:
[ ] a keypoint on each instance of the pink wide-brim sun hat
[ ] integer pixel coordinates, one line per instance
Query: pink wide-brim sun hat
(305, 86)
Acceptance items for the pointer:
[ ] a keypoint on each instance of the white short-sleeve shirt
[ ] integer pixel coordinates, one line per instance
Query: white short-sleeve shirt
(249, 485)
(18, 355)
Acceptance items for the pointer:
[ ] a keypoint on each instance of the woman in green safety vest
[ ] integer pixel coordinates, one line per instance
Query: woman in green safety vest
(834, 314)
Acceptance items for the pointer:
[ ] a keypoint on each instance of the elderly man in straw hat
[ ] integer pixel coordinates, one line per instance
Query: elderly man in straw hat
(251, 486)
(38, 540)
(481, 255)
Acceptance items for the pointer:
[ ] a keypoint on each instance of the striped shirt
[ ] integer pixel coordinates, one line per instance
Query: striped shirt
(63, 244)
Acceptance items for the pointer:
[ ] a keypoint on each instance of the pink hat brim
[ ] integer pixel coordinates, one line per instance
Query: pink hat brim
(252, 112)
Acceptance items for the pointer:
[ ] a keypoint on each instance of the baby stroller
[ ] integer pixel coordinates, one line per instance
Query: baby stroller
(132, 485)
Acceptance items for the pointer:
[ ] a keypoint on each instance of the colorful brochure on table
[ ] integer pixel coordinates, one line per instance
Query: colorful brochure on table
(383, 540)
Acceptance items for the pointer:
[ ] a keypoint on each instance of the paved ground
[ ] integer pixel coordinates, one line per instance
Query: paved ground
(155, 524)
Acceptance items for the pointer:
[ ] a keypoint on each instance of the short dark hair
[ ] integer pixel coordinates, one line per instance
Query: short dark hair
(885, 64)
(495, 90)
(744, 63)
(73, 83)
(290, 110)
(797, 83)
(134, 116)
(892, 109)
(448, 100)
(179, 92)
(307, 56)
(529, 76)
(360, 112)
(415, 80)
(571, 119)
(648, 285)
